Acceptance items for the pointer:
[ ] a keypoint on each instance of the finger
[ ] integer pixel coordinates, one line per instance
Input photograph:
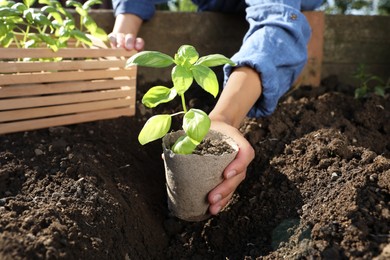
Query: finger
(120, 40)
(244, 156)
(129, 41)
(112, 39)
(214, 209)
(139, 44)
(227, 187)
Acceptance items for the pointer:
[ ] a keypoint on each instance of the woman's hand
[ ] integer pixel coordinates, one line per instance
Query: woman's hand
(242, 90)
(124, 33)
(235, 172)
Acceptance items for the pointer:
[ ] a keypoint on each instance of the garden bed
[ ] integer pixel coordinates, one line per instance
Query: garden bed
(319, 186)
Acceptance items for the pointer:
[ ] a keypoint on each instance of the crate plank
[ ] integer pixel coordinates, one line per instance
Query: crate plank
(31, 113)
(65, 120)
(64, 76)
(64, 87)
(40, 101)
(18, 67)
(19, 53)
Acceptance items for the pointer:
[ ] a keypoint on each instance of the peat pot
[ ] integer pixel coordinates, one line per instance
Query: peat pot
(189, 178)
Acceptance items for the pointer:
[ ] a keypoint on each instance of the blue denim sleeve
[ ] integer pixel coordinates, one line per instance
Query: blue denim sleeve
(145, 9)
(307, 5)
(275, 46)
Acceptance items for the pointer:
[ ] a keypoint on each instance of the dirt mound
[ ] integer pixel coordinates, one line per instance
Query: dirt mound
(318, 187)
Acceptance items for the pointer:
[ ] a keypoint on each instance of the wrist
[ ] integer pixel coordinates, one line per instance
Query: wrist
(242, 90)
(127, 24)
(219, 117)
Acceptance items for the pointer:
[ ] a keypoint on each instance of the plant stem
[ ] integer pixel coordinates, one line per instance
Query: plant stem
(26, 34)
(183, 103)
(177, 113)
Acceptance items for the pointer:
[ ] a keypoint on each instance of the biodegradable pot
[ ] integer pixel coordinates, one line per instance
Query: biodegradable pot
(191, 177)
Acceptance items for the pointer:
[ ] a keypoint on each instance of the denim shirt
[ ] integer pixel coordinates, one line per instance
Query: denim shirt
(275, 44)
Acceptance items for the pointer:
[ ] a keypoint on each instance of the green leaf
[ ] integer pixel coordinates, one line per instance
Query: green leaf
(187, 53)
(46, 2)
(360, 92)
(79, 35)
(82, 12)
(28, 15)
(72, 3)
(155, 128)
(380, 91)
(182, 79)
(41, 19)
(206, 78)
(53, 12)
(184, 145)
(90, 24)
(7, 12)
(152, 59)
(52, 43)
(88, 4)
(69, 24)
(63, 11)
(214, 60)
(157, 95)
(7, 40)
(28, 3)
(196, 124)
(3, 31)
(101, 34)
(19, 7)
(62, 32)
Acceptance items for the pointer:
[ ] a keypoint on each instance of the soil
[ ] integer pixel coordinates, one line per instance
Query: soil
(318, 188)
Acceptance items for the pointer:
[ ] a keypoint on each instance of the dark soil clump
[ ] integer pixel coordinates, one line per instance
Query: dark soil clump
(215, 147)
(318, 188)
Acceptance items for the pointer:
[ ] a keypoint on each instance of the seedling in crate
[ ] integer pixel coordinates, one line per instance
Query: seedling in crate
(187, 68)
(51, 25)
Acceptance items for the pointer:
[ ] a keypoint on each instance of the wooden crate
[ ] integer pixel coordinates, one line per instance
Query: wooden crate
(86, 85)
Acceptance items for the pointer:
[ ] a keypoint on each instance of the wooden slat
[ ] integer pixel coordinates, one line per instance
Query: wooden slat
(30, 113)
(65, 120)
(18, 53)
(63, 87)
(64, 76)
(17, 103)
(13, 67)
(368, 52)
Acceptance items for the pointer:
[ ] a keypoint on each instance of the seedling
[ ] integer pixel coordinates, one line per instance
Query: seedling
(369, 83)
(51, 25)
(187, 68)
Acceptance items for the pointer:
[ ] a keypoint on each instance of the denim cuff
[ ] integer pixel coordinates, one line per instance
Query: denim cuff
(274, 46)
(144, 9)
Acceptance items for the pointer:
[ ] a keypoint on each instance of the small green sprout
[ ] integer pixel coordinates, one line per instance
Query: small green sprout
(369, 83)
(187, 68)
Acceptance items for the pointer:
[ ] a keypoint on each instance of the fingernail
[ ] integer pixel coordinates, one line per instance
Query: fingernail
(129, 45)
(231, 174)
(111, 38)
(138, 45)
(217, 198)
